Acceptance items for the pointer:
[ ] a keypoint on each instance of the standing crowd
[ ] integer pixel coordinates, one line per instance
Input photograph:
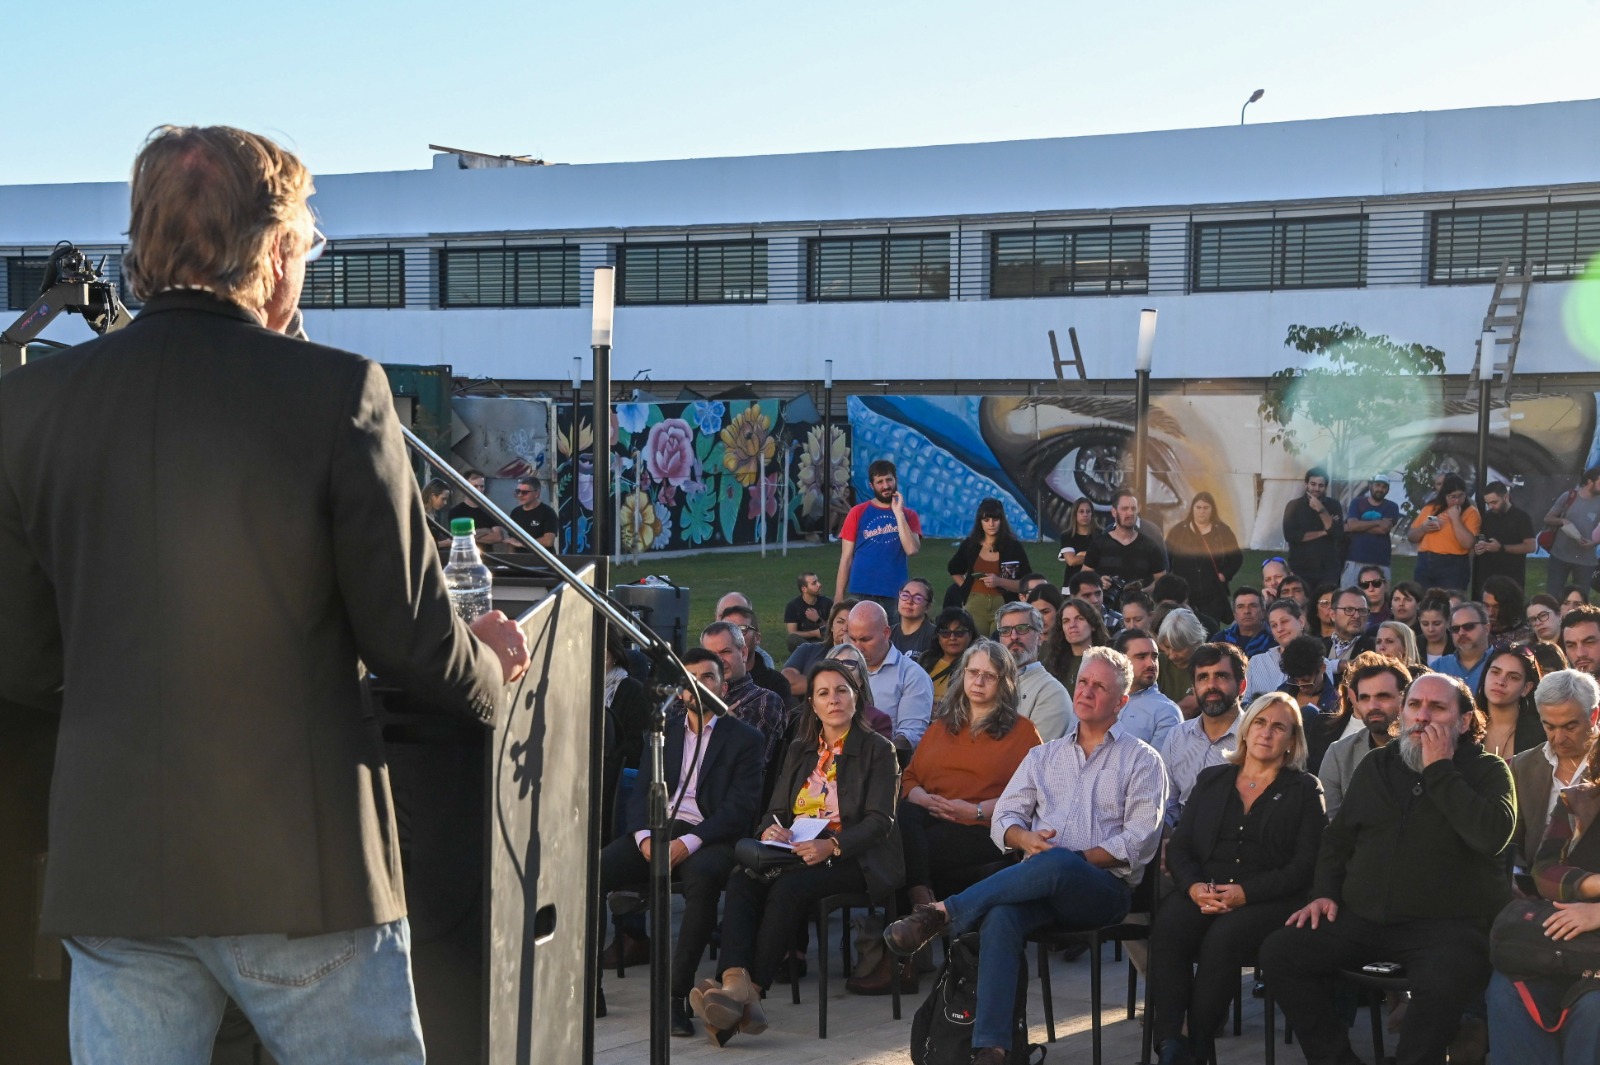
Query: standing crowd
(1324, 771)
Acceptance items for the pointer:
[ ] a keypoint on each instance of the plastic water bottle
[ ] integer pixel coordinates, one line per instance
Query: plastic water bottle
(467, 579)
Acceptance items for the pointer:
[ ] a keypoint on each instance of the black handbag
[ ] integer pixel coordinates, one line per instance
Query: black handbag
(761, 861)
(1549, 975)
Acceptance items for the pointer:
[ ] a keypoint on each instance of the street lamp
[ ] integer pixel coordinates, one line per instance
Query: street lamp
(604, 308)
(1141, 401)
(575, 379)
(1258, 94)
(827, 448)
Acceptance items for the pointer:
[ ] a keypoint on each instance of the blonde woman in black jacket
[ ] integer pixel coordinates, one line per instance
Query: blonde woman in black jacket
(1242, 857)
(839, 769)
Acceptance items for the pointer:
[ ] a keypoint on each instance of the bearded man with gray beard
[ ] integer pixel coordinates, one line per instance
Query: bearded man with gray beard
(1408, 873)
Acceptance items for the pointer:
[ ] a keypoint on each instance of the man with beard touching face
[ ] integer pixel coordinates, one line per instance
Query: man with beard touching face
(1411, 872)
(877, 538)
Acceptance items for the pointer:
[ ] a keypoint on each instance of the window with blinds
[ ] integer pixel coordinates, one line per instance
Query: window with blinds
(355, 278)
(1553, 243)
(1069, 262)
(509, 277)
(701, 272)
(24, 279)
(879, 268)
(1279, 253)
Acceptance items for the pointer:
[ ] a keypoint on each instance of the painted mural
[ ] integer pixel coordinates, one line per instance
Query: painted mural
(1040, 454)
(703, 473)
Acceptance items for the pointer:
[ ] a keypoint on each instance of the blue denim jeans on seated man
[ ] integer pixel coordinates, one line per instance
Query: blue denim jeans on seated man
(1514, 1033)
(1056, 887)
(335, 999)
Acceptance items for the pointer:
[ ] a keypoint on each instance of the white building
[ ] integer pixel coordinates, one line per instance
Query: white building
(942, 267)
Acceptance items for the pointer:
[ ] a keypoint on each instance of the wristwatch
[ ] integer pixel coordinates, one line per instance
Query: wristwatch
(978, 806)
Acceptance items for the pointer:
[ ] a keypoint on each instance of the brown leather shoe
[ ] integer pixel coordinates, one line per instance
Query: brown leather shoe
(877, 981)
(906, 936)
(989, 1056)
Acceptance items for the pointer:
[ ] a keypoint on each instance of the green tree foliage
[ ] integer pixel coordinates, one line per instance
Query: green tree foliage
(1350, 397)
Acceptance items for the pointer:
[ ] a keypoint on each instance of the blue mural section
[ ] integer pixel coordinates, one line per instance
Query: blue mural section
(945, 466)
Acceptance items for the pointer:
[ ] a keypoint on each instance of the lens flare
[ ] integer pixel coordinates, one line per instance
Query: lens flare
(1580, 313)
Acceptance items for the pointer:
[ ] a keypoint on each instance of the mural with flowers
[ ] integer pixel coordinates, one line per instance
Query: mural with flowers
(702, 473)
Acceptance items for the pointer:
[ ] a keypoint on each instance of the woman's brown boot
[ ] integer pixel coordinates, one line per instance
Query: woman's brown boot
(877, 982)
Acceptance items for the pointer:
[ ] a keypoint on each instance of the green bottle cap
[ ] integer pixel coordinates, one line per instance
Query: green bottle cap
(462, 527)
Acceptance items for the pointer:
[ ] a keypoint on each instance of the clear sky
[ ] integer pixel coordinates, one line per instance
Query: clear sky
(358, 85)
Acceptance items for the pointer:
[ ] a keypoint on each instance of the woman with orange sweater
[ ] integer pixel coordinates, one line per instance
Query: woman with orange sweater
(973, 745)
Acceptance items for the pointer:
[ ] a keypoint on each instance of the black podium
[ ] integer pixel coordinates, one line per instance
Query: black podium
(496, 840)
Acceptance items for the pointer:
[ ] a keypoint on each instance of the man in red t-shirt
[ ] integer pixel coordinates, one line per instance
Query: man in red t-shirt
(877, 538)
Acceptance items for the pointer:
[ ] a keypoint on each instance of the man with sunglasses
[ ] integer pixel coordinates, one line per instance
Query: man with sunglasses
(1040, 697)
(536, 519)
(1469, 628)
(1374, 584)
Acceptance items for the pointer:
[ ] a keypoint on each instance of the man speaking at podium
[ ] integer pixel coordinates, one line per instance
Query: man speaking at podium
(204, 526)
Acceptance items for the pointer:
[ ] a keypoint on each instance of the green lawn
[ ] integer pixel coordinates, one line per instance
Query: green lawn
(770, 582)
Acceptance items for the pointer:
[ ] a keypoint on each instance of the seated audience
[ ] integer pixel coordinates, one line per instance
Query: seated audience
(747, 700)
(1309, 678)
(1285, 621)
(1580, 638)
(809, 654)
(859, 851)
(912, 633)
(1549, 657)
(1086, 814)
(1505, 697)
(1078, 628)
(1374, 686)
(1211, 735)
(1544, 618)
(1433, 630)
(1410, 871)
(953, 630)
(1149, 715)
(1180, 633)
(713, 766)
(1395, 639)
(760, 666)
(627, 717)
(739, 599)
(972, 747)
(900, 687)
(1568, 702)
(1041, 698)
(1567, 872)
(1138, 612)
(804, 615)
(1404, 599)
(1241, 858)
(876, 719)
(1047, 600)
(1349, 636)
(1085, 585)
(1573, 596)
(1249, 629)
(1502, 600)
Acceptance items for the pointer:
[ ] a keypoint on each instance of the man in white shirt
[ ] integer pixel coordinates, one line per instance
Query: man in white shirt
(1041, 698)
(1569, 705)
(1085, 811)
(900, 688)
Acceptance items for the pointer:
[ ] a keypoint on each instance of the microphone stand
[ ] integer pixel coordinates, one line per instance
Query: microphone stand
(661, 653)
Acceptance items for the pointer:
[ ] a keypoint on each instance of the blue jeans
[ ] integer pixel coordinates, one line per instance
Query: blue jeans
(1443, 571)
(317, 1000)
(1056, 887)
(1517, 1037)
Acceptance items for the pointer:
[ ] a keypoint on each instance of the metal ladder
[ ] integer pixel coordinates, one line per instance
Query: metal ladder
(1507, 308)
(1076, 362)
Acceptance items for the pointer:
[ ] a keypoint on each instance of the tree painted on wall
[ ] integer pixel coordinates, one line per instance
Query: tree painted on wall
(1342, 407)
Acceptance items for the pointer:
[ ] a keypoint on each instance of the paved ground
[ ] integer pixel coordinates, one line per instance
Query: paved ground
(861, 1030)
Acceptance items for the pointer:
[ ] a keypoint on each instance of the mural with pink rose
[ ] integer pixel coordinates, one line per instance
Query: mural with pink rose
(703, 473)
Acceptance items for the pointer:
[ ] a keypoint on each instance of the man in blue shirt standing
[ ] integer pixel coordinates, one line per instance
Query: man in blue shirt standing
(1371, 517)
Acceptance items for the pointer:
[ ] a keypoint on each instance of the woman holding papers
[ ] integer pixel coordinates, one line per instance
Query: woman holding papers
(838, 772)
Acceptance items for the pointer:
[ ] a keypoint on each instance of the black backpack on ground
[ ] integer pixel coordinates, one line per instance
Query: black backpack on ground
(941, 1029)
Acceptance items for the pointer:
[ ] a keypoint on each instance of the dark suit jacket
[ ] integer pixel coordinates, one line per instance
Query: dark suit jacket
(869, 784)
(204, 525)
(729, 792)
(1291, 832)
(1530, 772)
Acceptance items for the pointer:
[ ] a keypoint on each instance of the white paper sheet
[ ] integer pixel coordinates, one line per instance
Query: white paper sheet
(803, 829)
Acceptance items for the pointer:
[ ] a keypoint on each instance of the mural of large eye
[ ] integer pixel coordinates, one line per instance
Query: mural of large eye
(1092, 464)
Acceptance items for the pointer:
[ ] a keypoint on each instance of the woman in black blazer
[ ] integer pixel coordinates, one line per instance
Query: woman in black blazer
(839, 769)
(1242, 857)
